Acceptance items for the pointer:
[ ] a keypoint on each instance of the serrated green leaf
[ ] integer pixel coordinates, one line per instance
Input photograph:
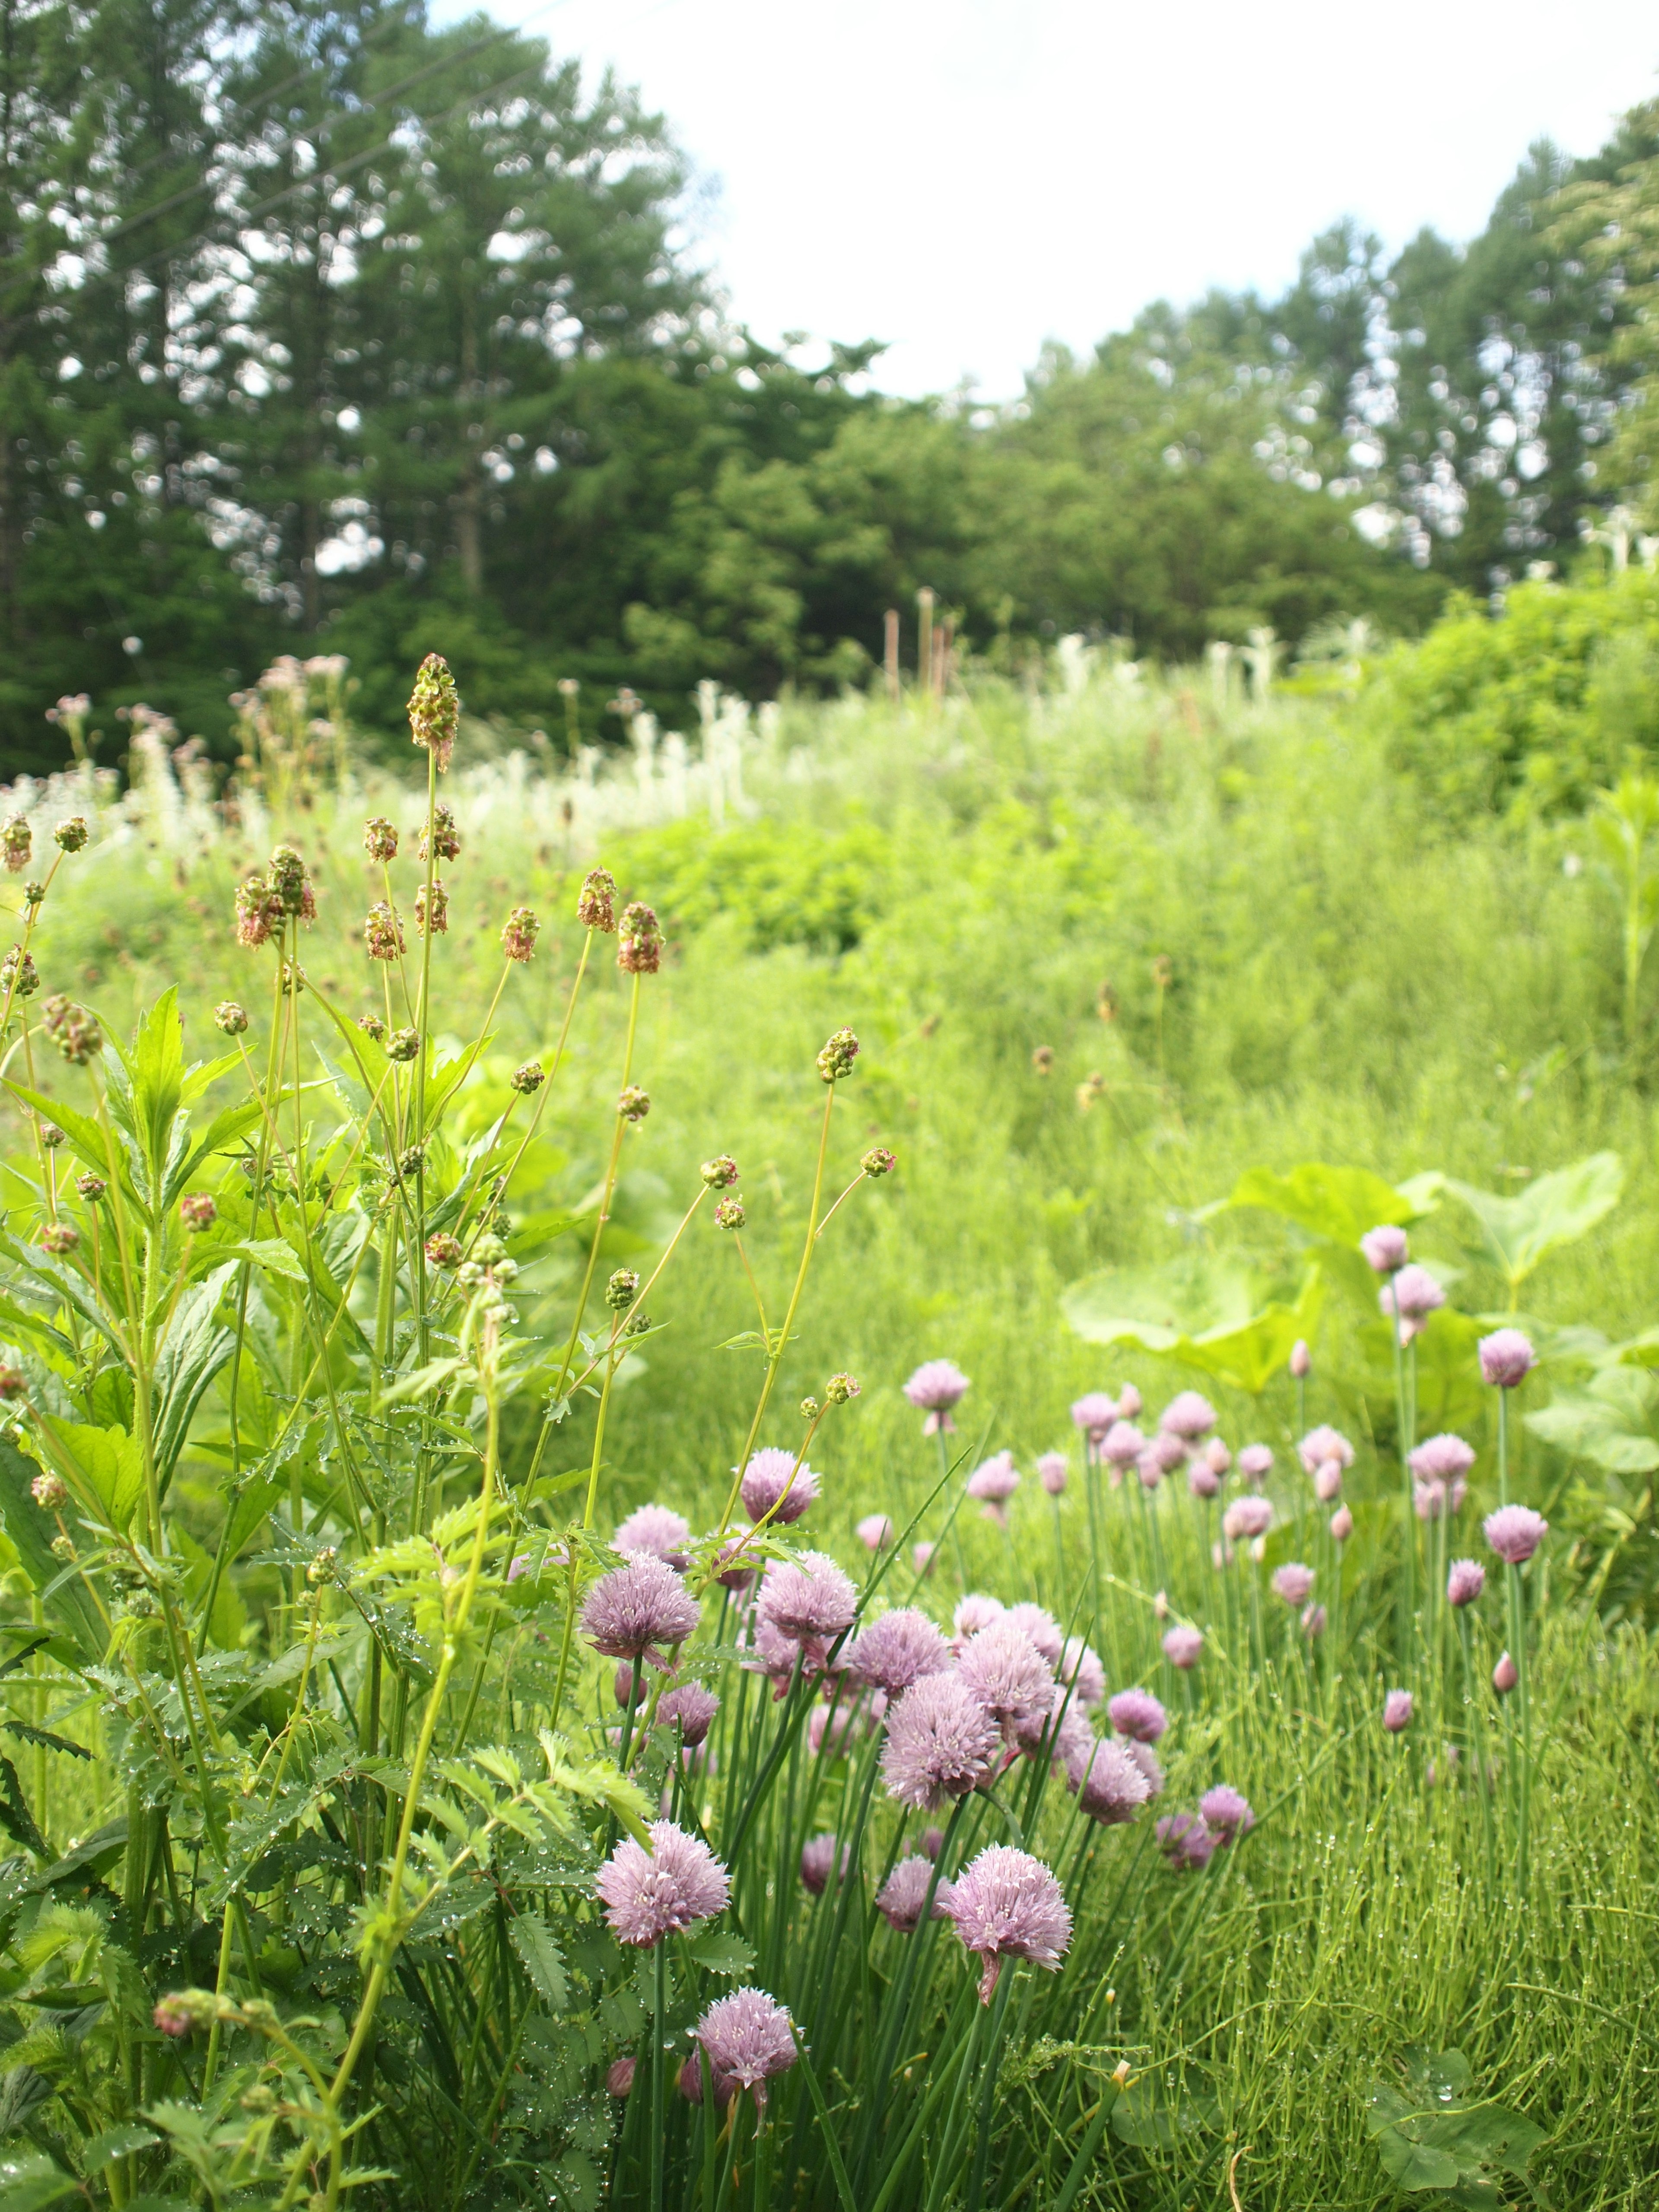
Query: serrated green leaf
(115, 2142)
(728, 1955)
(539, 1955)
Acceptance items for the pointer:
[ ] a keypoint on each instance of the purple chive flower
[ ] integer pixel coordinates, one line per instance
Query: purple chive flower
(994, 1483)
(1504, 1675)
(897, 1649)
(776, 1656)
(766, 1486)
(1185, 1840)
(1128, 1403)
(875, 1531)
(1506, 1358)
(1301, 1360)
(1341, 1525)
(808, 1597)
(1328, 1482)
(1110, 1785)
(691, 2083)
(1004, 1669)
(1397, 1710)
(1063, 1732)
(1416, 1294)
(1256, 1462)
(1006, 1905)
(817, 1862)
(1166, 1449)
(1515, 1531)
(975, 1612)
(1202, 1479)
(619, 2077)
(1294, 1583)
(1053, 1470)
(649, 1894)
(1137, 1713)
(1322, 1443)
(636, 1608)
(1249, 1516)
(1313, 1621)
(1225, 1812)
(1042, 1627)
(1122, 1444)
(1443, 1459)
(936, 1385)
(690, 1708)
(900, 1898)
(1385, 1248)
(1217, 1456)
(735, 1565)
(1080, 1665)
(1188, 1416)
(1146, 1760)
(1094, 1414)
(932, 1843)
(1465, 1580)
(941, 1743)
(747, 2039)
(1182, 1646)
(658, 1532)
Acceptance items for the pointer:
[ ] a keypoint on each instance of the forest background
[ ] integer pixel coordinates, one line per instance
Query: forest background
(325, 331)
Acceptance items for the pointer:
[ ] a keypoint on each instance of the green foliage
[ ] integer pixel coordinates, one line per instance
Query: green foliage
(1436, 2135)
(819, 890)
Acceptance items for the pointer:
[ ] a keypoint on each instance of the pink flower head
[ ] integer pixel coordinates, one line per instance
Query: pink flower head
(1217, 1456)
(1515, 1531)
(1128, 1403)
(1183, 1646)
(1053, 1470)
(1138, 1714)
(1249, 1516)
(691, 2083)
(637, 1607)
(809, 1598)
(817, 1862)
(1168, 1449)
(746, 2039)
(1094, 1414)
(1504, 1675)
(975, 1612)
(692, 1709)
(1313, 1620)
(1301, 1360)
(657, 1532)
(1110, 1785)
(1441, 1459)
(1188, 1416)
(1465, 1580)
(1225, 1812)
(1385, 1248)
(773, 1484)
(1004, 1669)
(1146, 1760)
(1150, 1468)
(1185, 1841)
(1006, 1905)
(1328, 1482)
(1122, 1444)
(1063, 1731)
(936, 1387)
(1202, 1479)
(897, 1649)
(1042, 1627)
(1397, 1711)
(1416, 1295)
(776, 1656)
(1294, 1583)
(875, 1531)
(941, 1743)
(1506, 1358)
(1079, 1665)
(993, 1483)
(1341, 1525)
(903, 1894)
(1322, 1443)
(1256, 1462)
(649, 1894)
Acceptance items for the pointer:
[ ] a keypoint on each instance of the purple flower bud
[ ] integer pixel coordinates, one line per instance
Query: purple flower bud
(1053, 1470)
(1506, 1358)
(1294, 1583)
(1185, 1841)
(1328, 1482)
(902, 1895)
(1301, 1361)
(1007, 1904)
(875, 1532)
(1183, 1646)
(1202, 1479)
(1504, 1675)
(1341, 1525)
(993, 1482)
(921, 1557)
(1465, 1581)
(1313, 1621)
(1138, 1714)
(1110, 1785)
(619, 2077)
(1226, 1813)
(1515, 1531)
(817, 1860)
(1397, 1710)
(692, 1709)
(932, 1843)
(1385, 1248)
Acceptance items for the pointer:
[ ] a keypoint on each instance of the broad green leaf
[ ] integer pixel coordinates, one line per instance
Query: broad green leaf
(1157, 1306)
(229, 1615)
(86, 1138)
(1613, 1423)
(1397, 2122)
(29, 2183)
(728, 1955)
(539, 1956)
(157, 1065)
(115, 2142)
(22, 2089)
(274, 1253)
(70, 1608)
(196, 1347)
(223, 1131)
(1553, 1210)
(1340, 1203)
(1154, 2113)
(111, 1463)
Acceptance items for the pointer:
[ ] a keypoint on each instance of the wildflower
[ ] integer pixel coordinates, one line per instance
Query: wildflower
(403, 1045)
(729, 1215)
(1506, 1358)
(1129, 1403)
(1138, 1714)
(746, 2039)
(921, 1557)
(639, 940)
(446, 839)
(60, 1237)
(527, 1079)
(1185, 1841)
(1042, 1058)
(1385, 1248)
(941, 1743)
(773, 1484)
(720, 1173)
(993, 1483)
(16, 843)
(372, 1026)
(655, 1532)
(1004, 1669)
(1320, 1445)
(50, 1492)
(1225, 1812)
(1110, 1785)
(1328, 1482)
(818, 1860)
(91, 1187)
(197, 1211)
(230, 1017)
(19, 976)
(383, 933)
(1041, 1627)
(1007, 1904)
(596, 903)
(438, 908)
(1397, 1711)
(1121, 1444)
(1293, 1583)
(1504, 1675)
(1341, 1525)
(932, 1843)
(1415, 1294)
(902, 1896)
(808, 1598)
(635, 1606)
(622, 1289)
(936, 1385)
(1183, 1645)
(379, 840)
(1202, 1480)
(875, 1531)
(1062, 1733)
(1079, 1665)
(835, 1058)
(842, 1389)
(1313, 1621)
(738, 1575)
(896, 1649)
(1188, 1416)
(173, 2017)
(633, 1103)
(663, 1892)
(1465, 1580)
(73, 1031)
(52, 1137)
(878, 1161)
(1515, 1531)
(1442, 1462)
(619, 2077)
(1301, 1360)
(692, 1709)
(520, 933)
(975, 1612)
(70, 836)
(1053, 1471)
(435, 709)
(1094, 1414)
(291, 886)
(1249, 1515)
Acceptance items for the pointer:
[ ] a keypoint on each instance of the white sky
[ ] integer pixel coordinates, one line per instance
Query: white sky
(965, 181)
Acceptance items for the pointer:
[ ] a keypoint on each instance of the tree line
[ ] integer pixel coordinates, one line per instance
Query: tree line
(323, 330)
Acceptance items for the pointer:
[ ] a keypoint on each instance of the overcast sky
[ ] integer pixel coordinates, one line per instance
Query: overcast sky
(965, 181)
